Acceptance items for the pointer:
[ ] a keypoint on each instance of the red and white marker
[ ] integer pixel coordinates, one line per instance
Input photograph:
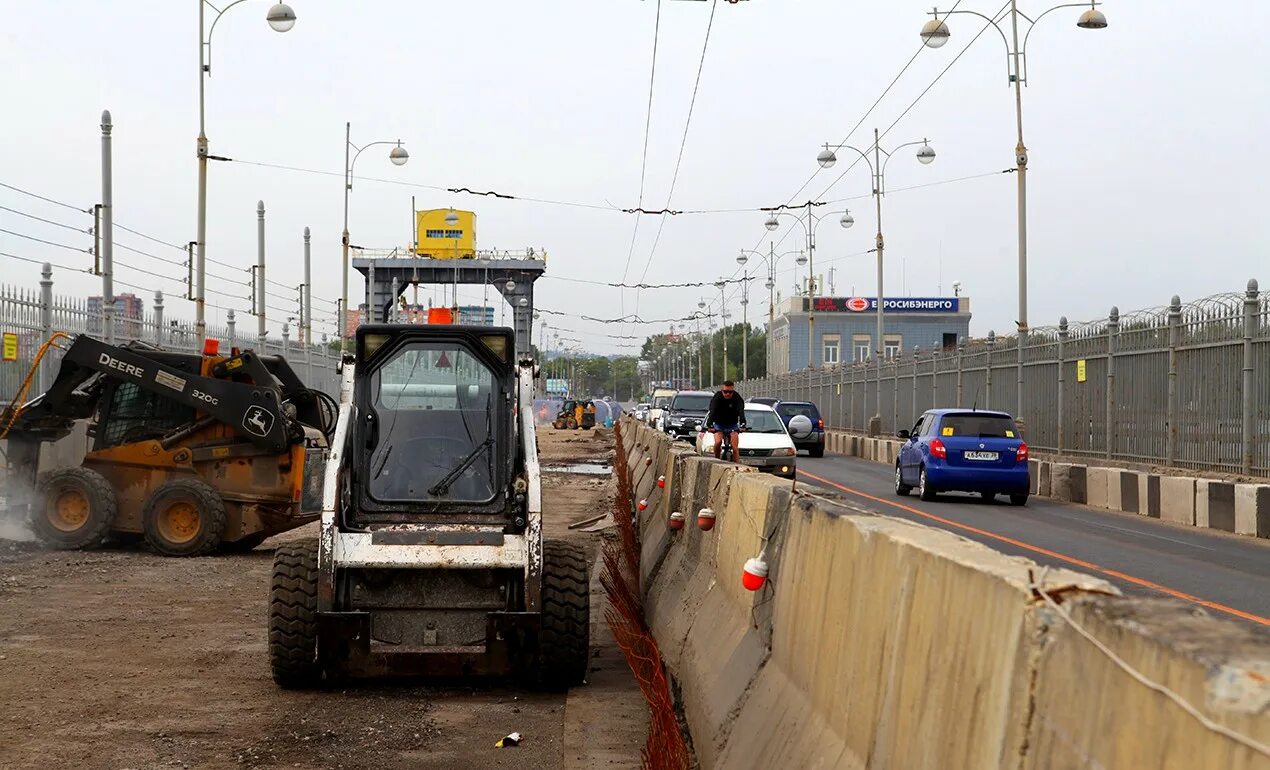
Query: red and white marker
(705, 519)
(754, 574)
(676, 521)
(661, 482)
(643, 505)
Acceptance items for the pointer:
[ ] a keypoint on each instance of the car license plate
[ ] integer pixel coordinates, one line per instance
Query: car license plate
(981, 455)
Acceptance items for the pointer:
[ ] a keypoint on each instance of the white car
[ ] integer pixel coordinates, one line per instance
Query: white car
(765, 445)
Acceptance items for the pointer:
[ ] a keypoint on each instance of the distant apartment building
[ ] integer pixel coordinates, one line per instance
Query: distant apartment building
(476, 315)
(129, 309)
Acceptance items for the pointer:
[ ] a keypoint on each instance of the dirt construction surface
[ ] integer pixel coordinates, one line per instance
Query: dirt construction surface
(121, 659)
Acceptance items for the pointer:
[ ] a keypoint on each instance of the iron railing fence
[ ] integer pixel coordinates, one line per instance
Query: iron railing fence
(29, 317)
(1184, 385)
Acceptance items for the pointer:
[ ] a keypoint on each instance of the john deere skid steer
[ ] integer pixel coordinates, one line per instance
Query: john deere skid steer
(189, 451)
(430, 559)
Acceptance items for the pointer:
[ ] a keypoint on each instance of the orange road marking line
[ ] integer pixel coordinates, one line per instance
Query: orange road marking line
(1052, 554)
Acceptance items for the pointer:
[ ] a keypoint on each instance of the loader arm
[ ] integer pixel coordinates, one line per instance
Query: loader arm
(254, 411)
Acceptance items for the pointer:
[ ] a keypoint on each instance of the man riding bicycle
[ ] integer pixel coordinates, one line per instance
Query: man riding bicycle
(726, 417)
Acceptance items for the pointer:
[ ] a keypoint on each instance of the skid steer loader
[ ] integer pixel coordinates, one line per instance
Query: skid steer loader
(191, 452)
(430, 559)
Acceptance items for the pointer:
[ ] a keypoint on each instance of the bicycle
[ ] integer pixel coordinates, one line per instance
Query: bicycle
(725, 450)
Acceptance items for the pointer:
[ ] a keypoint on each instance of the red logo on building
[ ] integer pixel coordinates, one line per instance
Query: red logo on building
(857, 304)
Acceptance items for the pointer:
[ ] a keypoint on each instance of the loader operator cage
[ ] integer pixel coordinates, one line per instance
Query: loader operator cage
(436, 425)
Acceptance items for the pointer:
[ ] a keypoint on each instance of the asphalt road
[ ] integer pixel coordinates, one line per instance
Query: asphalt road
(1227, 574)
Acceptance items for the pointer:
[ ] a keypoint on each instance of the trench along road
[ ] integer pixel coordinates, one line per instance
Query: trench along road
(1227, 575)
(117, 658)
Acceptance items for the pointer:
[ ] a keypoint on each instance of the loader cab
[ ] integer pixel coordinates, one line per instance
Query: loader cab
(434, 432)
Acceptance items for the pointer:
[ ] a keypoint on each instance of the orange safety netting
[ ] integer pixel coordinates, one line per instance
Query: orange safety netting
(665, 748)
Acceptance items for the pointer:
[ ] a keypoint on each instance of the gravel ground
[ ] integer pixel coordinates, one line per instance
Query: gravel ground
(117, 658)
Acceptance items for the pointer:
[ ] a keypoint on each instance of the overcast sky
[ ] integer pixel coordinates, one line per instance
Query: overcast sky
(1147, 174)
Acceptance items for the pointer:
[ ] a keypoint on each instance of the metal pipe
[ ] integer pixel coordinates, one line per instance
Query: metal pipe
(1175, 341)
(260, 276)
(880, 246)
(1248, 412)
(1020, 156)
(306, 312)
(107, 233)
(200, 260)
(344, 242)
(1109, 431)
(307, 316)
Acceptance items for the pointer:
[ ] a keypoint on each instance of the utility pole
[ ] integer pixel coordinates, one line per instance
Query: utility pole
(260, 277)
(306, 314)
(106, 233)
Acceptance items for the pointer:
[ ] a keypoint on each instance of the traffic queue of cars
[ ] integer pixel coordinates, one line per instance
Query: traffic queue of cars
(947, 450)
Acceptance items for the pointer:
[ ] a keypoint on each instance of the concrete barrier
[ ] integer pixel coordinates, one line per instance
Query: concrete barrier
(1177, 499)
(1090, 713)
(1067, 482)
(1215, 504)
(886, 644)
(1097, 487)
(1149, 495)
(1252, 509)
(1123, 491)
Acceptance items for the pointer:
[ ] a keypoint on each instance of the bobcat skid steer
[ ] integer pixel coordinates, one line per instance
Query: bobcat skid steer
(430, 560)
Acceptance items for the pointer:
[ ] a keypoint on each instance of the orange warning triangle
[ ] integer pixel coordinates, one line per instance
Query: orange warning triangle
(442, 361)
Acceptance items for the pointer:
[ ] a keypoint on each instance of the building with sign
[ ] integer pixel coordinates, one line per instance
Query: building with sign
(846, 328)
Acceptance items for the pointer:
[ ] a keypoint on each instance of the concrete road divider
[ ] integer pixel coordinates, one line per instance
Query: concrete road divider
(881, 643)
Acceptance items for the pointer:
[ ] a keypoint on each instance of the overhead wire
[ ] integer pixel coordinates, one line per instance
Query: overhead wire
(63, 204)
(925, 90)
(643, 163)
(790, 229)
(683, 143)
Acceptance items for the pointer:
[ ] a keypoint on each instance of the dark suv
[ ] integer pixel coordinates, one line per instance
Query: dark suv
(815, 443)
(686, 414)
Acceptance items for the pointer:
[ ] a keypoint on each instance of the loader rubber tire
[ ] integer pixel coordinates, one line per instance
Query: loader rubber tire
(293, 616)
(565, 642)
(184, 517)
(73, 508)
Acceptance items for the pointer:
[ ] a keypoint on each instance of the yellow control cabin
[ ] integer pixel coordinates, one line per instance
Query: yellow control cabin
(441, 240)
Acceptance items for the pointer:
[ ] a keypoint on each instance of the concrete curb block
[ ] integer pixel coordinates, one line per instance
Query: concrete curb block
(1252, 509)
(1177, 499)
(1241, 508)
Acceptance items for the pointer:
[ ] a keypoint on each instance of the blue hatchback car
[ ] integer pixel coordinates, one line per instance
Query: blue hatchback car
(963, 450)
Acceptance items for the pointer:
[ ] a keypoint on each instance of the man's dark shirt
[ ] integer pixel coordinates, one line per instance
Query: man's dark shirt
(727, 412)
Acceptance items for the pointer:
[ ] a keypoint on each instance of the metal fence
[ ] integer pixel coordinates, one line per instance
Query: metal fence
(1184, 385)
(32, 316)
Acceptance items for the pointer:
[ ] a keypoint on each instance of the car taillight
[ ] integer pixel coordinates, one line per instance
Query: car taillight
(937, 449)
(1021, 454)
(820, 424)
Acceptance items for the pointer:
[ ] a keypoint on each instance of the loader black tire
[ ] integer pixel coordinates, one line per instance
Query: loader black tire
(184, 517)
(565, 642)
(73, 508)
(293, 616)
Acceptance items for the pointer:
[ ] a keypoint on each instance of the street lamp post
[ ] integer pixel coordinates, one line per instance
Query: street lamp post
(934, 34)
(281, 19)
(723, 321)
(877, 167)
(810, 228)
(398, 156)
(745, 325)
(771, 258)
